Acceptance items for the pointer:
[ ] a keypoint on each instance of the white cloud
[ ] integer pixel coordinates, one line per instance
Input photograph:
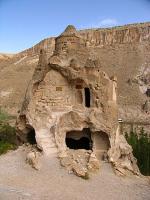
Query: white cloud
(107, 22)
(104, 23)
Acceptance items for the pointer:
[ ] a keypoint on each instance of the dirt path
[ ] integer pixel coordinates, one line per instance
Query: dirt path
(18, 181)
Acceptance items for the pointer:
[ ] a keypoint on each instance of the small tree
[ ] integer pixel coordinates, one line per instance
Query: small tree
(8, 137)
(141, 149)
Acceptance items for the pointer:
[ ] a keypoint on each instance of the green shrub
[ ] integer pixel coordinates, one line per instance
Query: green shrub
(8, 138)
(7, 133)
(141, 149)
(5, 146)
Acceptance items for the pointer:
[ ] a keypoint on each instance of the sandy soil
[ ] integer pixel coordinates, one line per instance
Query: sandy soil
(18, 181)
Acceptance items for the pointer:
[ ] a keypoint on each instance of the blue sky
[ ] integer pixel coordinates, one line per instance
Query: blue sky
(24, 23)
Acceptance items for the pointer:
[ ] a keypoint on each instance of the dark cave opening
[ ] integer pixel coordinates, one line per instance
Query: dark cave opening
(87, 97)
(31, 136)
(82, 143)
(79, 139)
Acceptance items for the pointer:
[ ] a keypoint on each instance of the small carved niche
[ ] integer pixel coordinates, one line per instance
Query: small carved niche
(59, 89)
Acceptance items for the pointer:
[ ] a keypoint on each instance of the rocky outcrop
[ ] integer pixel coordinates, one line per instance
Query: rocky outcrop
(135, 33)
(71, 104)
(121, 51)
(122, 158)
(33, 159)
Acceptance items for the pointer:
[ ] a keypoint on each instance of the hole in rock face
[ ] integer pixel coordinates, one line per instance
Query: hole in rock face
(148, 92)
(79, 139)
(31, 136)
(87, 97)
(82, 143)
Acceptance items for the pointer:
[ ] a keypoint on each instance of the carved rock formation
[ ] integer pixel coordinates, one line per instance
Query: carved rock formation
(71, 104)
(123, 51)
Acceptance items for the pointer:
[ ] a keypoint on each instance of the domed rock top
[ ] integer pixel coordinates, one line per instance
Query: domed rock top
(69, 30)
(67, 41)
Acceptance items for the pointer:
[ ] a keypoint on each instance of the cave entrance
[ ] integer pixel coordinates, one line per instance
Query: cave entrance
(101, 144)
(87, 97)
(79, 139)
(31, 136)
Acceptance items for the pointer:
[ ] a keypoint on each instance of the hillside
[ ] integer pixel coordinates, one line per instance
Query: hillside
(123, 51)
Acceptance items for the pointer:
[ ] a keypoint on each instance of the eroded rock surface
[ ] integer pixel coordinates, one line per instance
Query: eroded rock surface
(71, 104)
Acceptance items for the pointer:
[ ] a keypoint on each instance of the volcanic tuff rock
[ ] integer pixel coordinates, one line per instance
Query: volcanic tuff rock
(122, 51)
(70, 108)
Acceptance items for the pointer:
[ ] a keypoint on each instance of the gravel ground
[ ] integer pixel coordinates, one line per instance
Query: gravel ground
(18, 181)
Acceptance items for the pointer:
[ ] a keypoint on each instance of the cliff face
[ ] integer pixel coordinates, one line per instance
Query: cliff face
(136, 33)
(47, 44)
(122, 51)
(120, 35)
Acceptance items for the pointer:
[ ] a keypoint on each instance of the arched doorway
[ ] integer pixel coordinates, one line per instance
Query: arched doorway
(101, 144)
(30, 136)
(79, 139)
